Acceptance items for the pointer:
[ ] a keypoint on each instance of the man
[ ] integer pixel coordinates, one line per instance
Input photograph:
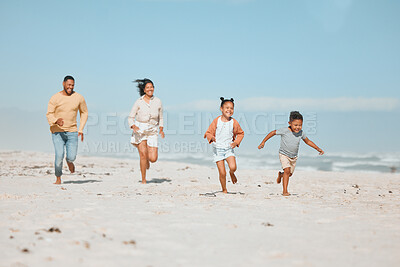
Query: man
(61, 115)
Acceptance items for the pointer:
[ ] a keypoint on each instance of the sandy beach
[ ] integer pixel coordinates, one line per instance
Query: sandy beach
(102, 216)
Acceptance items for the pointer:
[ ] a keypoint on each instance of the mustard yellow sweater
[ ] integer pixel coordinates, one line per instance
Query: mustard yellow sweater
(66, 107)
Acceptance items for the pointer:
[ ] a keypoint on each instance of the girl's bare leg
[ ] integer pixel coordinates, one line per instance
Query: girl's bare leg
(232, 168)
(222, 175)
(144, 161)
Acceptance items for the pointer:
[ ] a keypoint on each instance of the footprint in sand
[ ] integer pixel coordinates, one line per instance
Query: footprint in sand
(267, 224)
(25, 250)
(130, 242)
(277, 255)
(322, 221)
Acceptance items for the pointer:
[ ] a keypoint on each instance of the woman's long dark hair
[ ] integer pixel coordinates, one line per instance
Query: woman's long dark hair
(142, 84)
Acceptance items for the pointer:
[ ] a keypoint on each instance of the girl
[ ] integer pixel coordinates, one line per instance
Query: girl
(145, 118)
(225, 133)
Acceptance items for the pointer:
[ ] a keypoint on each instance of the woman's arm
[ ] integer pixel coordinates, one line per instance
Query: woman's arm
(132, 116)
(161, 120)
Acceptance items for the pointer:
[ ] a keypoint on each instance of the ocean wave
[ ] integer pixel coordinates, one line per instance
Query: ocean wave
(366, 162)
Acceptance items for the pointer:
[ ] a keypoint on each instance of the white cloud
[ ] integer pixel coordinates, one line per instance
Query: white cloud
(257, 104)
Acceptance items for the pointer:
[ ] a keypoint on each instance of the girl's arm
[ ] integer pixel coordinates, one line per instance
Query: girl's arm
(266, 139)
(311, 144)
(238, 131)
(210, 133)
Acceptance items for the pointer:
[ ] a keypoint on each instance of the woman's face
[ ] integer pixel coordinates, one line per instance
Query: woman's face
(149, 89)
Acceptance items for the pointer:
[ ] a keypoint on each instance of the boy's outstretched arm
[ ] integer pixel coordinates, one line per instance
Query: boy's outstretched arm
(266, 139)
(311, 144)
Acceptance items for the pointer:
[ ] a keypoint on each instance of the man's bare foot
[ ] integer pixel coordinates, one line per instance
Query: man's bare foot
(286, 194)
(58, 181)
(279, 179)
(71, 167)
(233, 178)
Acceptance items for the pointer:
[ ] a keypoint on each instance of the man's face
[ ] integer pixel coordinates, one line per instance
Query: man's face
(69, 86)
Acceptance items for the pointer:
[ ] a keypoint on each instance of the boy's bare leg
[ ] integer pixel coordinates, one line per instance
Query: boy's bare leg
(222, 175)
(285, 176)
(232, 168)
(279, 179)
(71, 166)
(144, 161)
(58, 181)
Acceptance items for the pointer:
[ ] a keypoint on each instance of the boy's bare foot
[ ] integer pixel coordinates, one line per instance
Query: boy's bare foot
(279, 179)
(233, 178)
(71, 167)
(58, 181)
(286, 194)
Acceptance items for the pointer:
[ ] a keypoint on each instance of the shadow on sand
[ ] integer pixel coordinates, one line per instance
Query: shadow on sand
(81, 182)
(158, 181)
(214, 194)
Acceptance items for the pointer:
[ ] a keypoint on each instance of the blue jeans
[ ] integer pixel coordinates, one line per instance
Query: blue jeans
(69, 140)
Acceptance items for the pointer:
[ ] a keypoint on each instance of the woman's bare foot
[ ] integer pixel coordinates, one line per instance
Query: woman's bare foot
(279, 179)
(58, 181)
(286, 194)
(233, 178)
(144, 181)
(71, 167)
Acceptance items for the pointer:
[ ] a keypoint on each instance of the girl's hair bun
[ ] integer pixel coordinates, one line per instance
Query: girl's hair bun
(224, 100)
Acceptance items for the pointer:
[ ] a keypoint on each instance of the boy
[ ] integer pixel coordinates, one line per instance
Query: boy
(290, 141)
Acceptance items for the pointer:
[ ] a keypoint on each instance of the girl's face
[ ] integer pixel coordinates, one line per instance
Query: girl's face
(227, 109)
(149, 89)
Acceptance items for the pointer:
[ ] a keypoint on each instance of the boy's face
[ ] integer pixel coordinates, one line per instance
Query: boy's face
(296, 125)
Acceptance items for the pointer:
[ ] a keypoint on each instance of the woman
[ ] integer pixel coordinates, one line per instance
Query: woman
(145, 118)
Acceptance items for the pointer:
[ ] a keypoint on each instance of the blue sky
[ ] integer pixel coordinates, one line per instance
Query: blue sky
(338, 59)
